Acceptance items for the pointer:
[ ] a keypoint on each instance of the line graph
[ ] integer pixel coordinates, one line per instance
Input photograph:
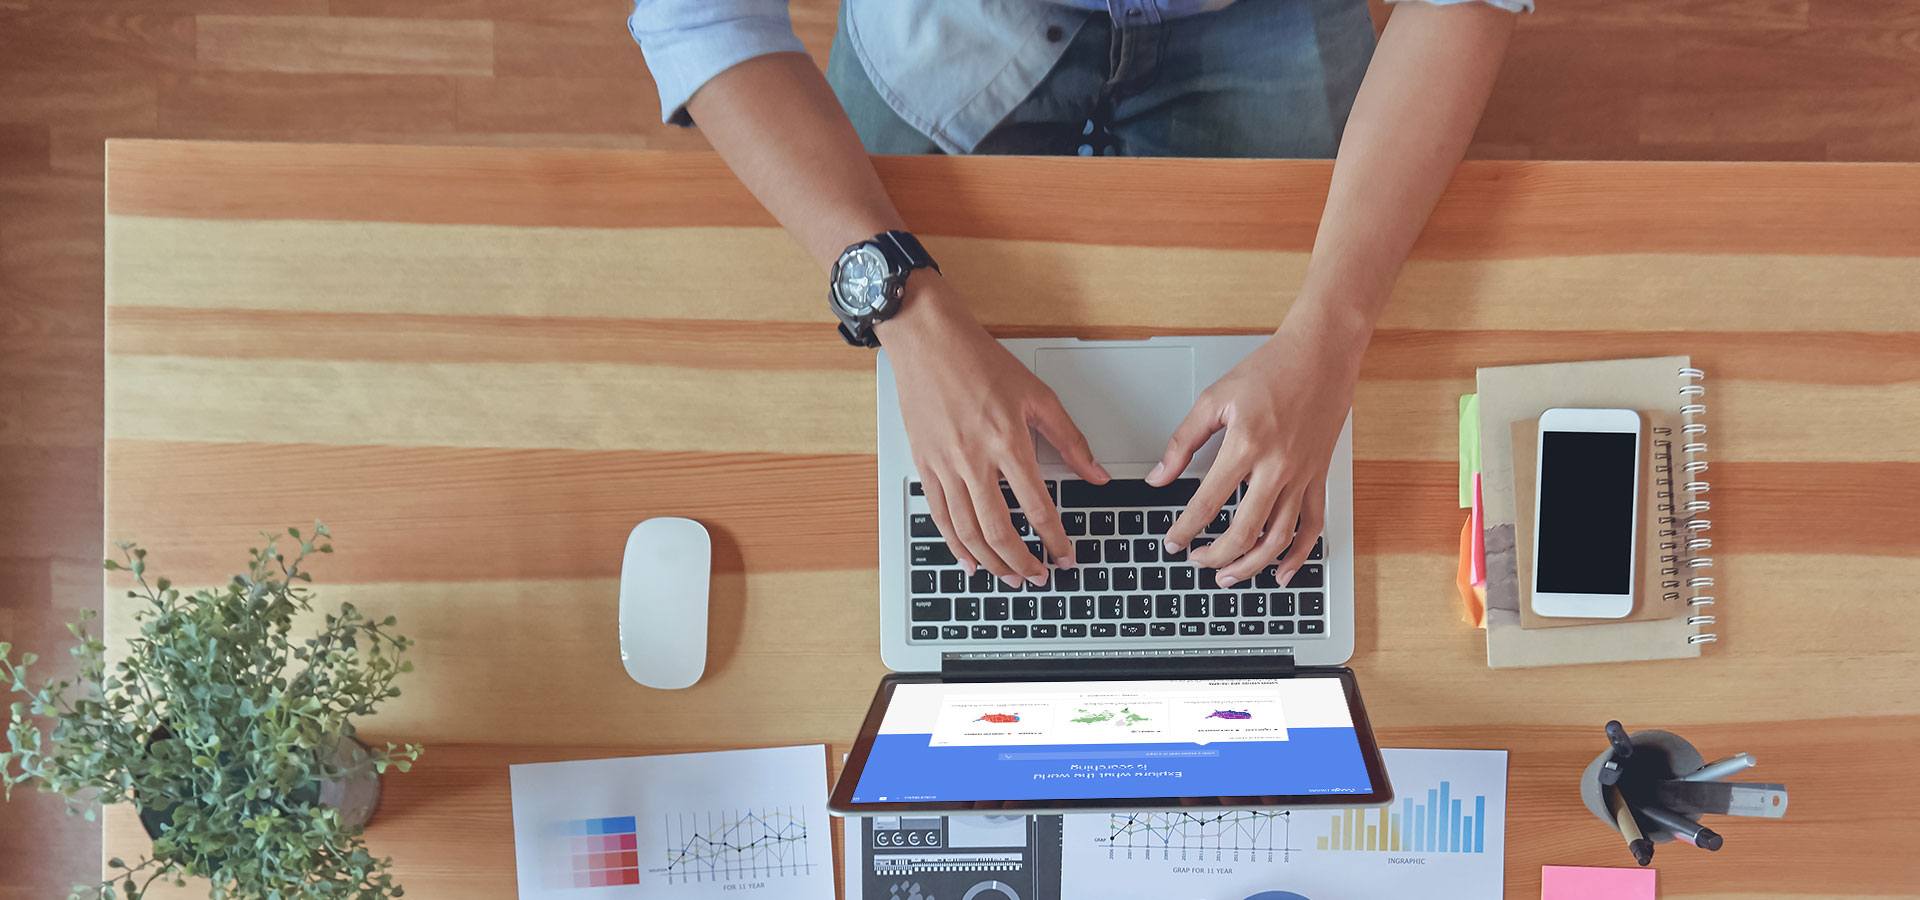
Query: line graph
(730, 845)
(1233, 836)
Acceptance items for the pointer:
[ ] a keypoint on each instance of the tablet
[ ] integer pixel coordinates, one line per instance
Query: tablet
(1077, 742)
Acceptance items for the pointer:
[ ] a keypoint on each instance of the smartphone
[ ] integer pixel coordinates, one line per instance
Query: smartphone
(1586, 513)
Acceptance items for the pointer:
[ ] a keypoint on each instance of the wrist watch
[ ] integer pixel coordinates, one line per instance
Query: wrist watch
(870, 280)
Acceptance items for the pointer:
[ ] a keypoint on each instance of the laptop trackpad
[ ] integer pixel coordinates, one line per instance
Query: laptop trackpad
(1127, 400)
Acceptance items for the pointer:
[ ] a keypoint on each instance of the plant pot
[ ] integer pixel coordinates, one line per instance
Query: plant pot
(356, 797)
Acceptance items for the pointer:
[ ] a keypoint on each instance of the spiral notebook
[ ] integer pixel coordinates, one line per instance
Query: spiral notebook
(1519, 394)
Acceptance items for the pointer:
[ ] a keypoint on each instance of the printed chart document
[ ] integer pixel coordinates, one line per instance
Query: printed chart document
(1443, 837)
(738, 823)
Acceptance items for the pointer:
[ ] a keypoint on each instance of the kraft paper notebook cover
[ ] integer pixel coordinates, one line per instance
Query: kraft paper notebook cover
(1511, 394)
(1658, 594)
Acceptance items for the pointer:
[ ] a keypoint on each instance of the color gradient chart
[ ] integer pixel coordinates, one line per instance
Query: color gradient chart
(603, 852)
(1443, 824)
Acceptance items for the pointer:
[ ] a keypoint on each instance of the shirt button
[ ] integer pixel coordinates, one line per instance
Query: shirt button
(1055, 33)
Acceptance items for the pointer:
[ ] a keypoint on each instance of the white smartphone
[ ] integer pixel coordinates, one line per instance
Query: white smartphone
(1586, 513)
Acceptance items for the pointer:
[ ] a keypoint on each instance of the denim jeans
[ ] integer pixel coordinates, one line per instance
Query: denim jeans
(1260, 78)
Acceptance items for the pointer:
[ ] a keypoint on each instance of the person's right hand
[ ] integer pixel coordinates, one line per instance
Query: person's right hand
(968, 406)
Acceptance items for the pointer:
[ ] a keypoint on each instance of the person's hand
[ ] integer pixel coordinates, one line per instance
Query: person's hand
(968, 406)
(1283, 408)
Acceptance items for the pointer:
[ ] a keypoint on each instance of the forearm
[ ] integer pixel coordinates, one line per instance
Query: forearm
(1417, 109)
(780, 128)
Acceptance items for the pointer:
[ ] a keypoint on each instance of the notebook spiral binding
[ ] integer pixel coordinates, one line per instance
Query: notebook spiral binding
(1683, 544)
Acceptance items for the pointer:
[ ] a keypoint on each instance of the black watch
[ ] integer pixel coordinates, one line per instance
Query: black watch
(870, 280)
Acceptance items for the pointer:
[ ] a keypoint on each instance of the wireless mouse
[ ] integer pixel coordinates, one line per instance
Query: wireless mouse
(663, 602)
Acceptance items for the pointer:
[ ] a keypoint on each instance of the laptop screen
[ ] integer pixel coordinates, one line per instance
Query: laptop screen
(1106, 740)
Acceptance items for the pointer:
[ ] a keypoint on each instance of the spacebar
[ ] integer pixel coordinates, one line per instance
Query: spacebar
(1125, 492)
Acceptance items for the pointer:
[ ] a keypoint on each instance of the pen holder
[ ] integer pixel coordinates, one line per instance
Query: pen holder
(1657, 757)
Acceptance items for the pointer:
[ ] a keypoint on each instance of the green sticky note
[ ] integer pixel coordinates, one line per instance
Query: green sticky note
(1469, 446)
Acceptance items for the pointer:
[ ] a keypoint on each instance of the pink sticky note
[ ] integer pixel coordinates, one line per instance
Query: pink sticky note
(1588, 883)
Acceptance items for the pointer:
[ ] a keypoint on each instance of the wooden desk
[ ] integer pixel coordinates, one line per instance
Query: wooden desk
(482, 367)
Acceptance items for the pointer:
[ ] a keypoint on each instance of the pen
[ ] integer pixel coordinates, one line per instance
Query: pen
(1622, 749)
(1726, 798)
(1684, 829)
(1637, 843)
(1718, 769)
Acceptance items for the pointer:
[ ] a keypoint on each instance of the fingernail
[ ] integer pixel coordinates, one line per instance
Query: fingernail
(1224, 580)
(1066, 562)
(1172, 547)
(966, 565)
(1036, 580)
(1157, 469)
(1010, 581)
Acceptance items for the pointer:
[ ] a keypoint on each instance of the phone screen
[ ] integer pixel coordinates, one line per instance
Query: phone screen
(1586, 526)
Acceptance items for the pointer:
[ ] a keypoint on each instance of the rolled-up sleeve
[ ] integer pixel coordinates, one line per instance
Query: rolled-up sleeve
(688, 42)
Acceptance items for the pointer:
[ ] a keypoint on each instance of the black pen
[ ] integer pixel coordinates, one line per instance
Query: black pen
(1637, 843)
(1684, 829)
(1622, 749)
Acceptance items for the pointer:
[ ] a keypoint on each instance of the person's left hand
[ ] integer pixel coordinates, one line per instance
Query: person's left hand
(1283, 408)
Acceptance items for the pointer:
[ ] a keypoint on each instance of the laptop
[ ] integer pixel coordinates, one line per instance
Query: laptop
(1126, 598)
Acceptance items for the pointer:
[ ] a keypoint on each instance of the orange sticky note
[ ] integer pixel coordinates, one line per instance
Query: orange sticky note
(1590, 883)
(1473, 603)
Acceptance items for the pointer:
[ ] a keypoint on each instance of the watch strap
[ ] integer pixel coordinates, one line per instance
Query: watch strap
(864, 338)
(911, 253)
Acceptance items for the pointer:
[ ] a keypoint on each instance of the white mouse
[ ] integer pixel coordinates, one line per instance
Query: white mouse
(663, 602)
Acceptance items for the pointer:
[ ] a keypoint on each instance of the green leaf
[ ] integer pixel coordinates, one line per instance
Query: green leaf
(110, 565)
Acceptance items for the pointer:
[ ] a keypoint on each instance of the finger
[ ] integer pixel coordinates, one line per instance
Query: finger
(1201, 422)
(1313, 518)
(1053, 423)
(1221, 481)
(1249, 519)
(1023, 475)
(1279, 525)
(937, 507)
(996, 524)
(966, 525)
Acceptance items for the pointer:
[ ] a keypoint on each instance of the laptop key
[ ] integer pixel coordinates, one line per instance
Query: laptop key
(1126, 578)
(1253, 628)
(932, 609)
(1111, 608)
(1221, 521)
(1153, 579)
(1103, 522)
(1216, 628)
(931, 553)
(1253, 605)
(925, 632)
(1020, 526)
(1083, 607)
(953, 632)
(1116, 550)
(1313, 626)
(1180, 578)
(1066, 579)
(966, 609)
(1013, 631)
(1139, 606)
(1071, 630)
(1160, 629)
(1267, 578)
(1173, 556)
(1053, 607)
(1313, 604)
(1197, 606)
(1166, 606)
(1308, 576)
(1187, 629)
(1227, 605)
(1283, 605)
(1319, 549)
(915, 490)
(1133, 521)
(953, 581)
(924, 581)
(1073, 522)
(1026, 608)
(1282, 626)
(981, 582)
(1209, 579)
(985, 632)
(1146, 550)
(1045, 585)
(1045, 631)
(1132, 492)
(997, 609)
(1095, 580)
(1037, 550)
(1103, 629)
(921, 525)
(1133, 629)
(1159, 521)
(1085, 552)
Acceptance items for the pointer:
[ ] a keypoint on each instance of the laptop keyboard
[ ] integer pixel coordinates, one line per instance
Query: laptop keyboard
(1125, 585)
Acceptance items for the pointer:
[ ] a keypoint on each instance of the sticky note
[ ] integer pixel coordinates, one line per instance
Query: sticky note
(1589, 883)
(1469, 446)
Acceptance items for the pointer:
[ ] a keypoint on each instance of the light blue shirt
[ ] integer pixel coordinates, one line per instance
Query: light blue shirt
(951, 68)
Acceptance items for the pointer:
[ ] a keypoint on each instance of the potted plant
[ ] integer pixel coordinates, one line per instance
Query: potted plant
(228, 727)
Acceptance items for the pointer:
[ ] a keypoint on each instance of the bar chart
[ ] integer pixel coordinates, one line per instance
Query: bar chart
(1443, 824)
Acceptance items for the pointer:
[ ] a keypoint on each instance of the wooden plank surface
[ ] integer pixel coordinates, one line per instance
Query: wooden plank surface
(476, 366)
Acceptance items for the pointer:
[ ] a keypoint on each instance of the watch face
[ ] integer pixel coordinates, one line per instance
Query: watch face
(862, 284)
